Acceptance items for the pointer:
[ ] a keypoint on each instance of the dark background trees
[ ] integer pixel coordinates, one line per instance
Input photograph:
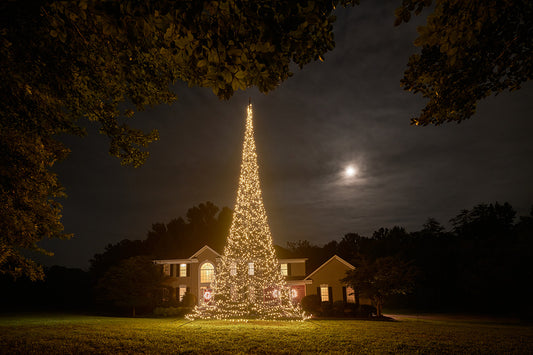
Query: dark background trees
(483, 264)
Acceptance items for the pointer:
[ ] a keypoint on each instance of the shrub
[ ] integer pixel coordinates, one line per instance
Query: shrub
(327, 309)
(189, 300)
(311, 304)
(365, 311)
(338, 308)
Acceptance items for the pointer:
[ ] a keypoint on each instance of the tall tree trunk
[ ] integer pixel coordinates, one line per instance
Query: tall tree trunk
(133, 311)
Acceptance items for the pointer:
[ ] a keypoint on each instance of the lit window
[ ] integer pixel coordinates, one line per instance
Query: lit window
(166, 269)
(207, 273)
(284, 269)
(250, 268)
(324, 293)
(183, 270)
(182, 291)
(233, 269)
(350, 296)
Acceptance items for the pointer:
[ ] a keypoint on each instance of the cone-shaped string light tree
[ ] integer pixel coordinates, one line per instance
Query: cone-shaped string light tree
(248, 282)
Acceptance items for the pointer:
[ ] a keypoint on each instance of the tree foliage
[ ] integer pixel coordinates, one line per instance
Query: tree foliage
(103, 60)
(134, 282)
(469, 50)
(381, 279)
(204, 224)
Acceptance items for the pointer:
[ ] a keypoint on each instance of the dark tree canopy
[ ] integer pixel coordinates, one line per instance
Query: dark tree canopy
(469, 50)
(102, 60)
(134, 282)
(205, 224)
(381, 279)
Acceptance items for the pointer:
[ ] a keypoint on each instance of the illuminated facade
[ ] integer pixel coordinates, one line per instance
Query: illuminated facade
(189, 275)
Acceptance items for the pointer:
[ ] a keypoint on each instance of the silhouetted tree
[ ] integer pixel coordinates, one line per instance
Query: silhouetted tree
(206, 224)
(134, 282)
(381, 279)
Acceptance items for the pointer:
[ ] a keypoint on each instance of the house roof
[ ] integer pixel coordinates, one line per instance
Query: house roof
(292, 260)
(204, 248)
(176, 261)
(334, 257)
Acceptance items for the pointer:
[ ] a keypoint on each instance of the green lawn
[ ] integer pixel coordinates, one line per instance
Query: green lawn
(64, 334)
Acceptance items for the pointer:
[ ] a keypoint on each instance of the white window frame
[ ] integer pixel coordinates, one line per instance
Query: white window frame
(207, 272)
(350, 296)
(166, 269)
(182, 291)
(324, 293)
(183, 270)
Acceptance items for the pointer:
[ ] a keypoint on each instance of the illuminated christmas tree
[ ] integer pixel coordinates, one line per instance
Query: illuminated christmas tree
(248, 281)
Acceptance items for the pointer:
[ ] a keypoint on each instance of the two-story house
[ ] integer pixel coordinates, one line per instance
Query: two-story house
(194, 274)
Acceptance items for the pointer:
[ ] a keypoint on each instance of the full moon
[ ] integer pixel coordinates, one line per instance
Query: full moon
(350, 171)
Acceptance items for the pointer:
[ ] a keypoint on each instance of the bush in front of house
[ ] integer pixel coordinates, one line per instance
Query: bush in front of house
(327, 309)
(364, 311)
(188, 300)
(338, 308)
(311, 304)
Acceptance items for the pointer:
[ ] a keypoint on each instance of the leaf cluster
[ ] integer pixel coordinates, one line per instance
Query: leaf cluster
(469, 50)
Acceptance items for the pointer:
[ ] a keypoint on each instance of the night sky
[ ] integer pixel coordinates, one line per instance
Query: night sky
(349, 109)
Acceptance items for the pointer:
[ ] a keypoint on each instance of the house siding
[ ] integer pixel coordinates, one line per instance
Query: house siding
(329, 274)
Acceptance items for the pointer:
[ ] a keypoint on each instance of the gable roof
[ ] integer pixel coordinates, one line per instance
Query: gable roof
(334, 257)
(204, 248)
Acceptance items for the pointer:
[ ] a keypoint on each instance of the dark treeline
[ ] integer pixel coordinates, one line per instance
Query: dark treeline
(483, 264)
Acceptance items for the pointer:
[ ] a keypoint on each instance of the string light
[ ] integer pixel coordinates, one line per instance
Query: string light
(248, 283)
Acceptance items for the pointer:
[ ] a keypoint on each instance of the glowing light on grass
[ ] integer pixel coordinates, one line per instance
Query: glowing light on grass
(248, 282)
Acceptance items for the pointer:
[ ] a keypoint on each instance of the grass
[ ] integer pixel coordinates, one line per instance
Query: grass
(66, 334)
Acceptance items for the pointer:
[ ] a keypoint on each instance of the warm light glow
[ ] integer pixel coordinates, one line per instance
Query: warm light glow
(248, 282)
(207, 295)
(350, 171)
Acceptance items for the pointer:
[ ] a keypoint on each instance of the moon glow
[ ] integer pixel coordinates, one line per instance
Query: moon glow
(350, 171)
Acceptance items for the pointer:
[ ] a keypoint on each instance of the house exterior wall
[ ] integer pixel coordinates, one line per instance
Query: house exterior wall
(329, 274)
(297, 269)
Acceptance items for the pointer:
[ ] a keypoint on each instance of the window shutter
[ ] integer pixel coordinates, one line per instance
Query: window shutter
(172, 269)
(188, 273)
(344, 295)
(318, 293)
(177, 293)
(330, 294)
(288, 269)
